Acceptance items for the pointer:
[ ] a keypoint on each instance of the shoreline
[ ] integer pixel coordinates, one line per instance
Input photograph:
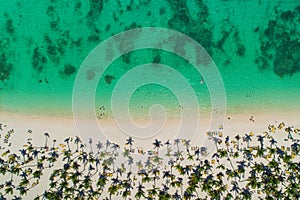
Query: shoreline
(62, 127)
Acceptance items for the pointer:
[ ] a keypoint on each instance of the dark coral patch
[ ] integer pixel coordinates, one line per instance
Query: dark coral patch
(287, 15)
(109, 79)
(280, 45)
(271, 28)
(220, 43)
(93, 38)
(77, 6)
(241, 50)
(54, 18)
(52, 50)
(262, 63)
(9, 26)
(96, 7)
(162, 11)
(50, 11)
(107, 27)
(5, 68)
(38, 60)
(282, 67)
(69, 70)
(256, 29)
(197, 27)
(76, 43)
(157, 59)
(126, 58)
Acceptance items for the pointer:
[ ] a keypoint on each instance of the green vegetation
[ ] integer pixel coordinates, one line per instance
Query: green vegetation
(240, 168)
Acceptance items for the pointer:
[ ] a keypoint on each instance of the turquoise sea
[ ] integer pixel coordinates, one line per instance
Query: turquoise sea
(254, 44)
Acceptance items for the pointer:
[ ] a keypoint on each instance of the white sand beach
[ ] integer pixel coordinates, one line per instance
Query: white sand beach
(61, 128)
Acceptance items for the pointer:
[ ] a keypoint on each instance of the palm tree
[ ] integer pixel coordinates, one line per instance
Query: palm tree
(176, 142)
(261, 140)
(23, 153)
(99, 146)
(130, 162)
(148, 163)
(247, 139)
(171, 164)
(90, 143)
(176, 196)
(241, 166)
(157, 144)
(186, 143)
(187, 169)
(67, 141)
(197, 153)
(168, 144)
(115, 147)
(188, 195)
(129, 141)
(246, 193)
(273, 142)
(46, 142)
(53, 145)
(107, 144)
(178, 155)
(235, 188)
(77, 141)
(237, 137)
(155, 172)
(216, 141)
(140, 193)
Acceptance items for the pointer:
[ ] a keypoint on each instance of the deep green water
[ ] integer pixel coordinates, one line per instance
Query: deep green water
(255, 45)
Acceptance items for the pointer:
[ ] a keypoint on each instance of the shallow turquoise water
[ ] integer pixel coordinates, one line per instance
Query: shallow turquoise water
(255, 45)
